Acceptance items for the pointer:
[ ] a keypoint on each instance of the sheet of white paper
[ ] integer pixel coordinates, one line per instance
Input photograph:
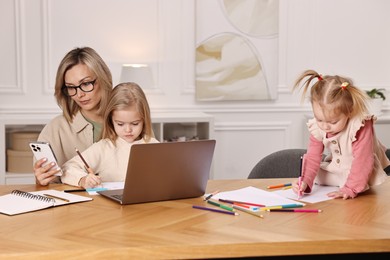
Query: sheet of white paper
(255, 195)
(113, 185)
(318, 194)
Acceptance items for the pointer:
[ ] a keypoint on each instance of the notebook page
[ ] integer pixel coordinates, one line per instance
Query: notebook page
(12, 204)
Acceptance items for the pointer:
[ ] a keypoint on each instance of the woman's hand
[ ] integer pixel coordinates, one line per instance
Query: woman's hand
(90, 181)
(45, 174)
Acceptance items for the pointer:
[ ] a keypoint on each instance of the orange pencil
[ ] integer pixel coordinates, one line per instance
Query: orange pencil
(241, 202)
(279, 186)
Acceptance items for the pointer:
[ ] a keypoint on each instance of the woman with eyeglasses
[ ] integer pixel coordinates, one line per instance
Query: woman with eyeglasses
(82, 89)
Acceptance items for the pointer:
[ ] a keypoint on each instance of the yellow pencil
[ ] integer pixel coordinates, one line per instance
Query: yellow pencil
(282, 206)
(55, 197)
(248, 211)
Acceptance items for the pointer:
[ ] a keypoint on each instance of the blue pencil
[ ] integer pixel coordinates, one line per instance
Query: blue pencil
(216, 210)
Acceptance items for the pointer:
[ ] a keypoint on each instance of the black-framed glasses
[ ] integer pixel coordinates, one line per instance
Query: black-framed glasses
(85, 87)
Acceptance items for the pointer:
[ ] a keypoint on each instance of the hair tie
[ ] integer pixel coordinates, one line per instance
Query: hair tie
(344, 85)
(319, 77)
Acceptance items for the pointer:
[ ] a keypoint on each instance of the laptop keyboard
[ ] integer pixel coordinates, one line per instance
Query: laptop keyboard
(118, 196)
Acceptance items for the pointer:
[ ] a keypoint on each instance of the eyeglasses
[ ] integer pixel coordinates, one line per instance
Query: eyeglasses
(85, 87)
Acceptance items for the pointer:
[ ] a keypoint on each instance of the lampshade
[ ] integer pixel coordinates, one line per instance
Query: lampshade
(138, 73)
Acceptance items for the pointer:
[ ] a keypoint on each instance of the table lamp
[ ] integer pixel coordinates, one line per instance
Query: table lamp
(137, 73)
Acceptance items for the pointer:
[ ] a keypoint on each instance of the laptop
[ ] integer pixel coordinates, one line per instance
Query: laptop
(165, 171)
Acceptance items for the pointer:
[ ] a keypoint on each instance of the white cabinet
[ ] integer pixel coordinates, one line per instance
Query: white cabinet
(167, 126)
(182, 126)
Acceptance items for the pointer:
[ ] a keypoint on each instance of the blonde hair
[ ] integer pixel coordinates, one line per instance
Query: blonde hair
(123, 96)
(336, 90)
(95, 63)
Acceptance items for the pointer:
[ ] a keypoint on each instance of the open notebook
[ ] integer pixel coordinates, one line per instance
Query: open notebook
(165, 171)
(18, 201)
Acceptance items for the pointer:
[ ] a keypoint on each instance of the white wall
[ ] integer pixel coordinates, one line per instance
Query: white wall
(346, 37)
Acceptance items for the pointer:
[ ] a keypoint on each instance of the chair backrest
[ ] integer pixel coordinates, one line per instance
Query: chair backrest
(281, 164)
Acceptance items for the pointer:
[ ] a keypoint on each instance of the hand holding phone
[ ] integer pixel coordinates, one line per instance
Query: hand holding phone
(43, 150)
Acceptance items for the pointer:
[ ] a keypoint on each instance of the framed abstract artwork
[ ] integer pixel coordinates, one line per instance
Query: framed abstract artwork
(232, 62)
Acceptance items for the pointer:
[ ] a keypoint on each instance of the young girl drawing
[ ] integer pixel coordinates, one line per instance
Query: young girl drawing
(127, 121)
(343, 127)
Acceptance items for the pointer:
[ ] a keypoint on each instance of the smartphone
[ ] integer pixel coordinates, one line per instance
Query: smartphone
(43, 149)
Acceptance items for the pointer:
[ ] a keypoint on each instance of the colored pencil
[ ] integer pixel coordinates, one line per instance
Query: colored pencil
(282, 206)
(82, 158)
(300, 180)
(55, 197)
(216, 210)
(245, 206)
(220, 205)
(248, 211)
(75, 190)
(241, 202)
(210, 195)
(241, 205)
(295, 210)
(279, 186)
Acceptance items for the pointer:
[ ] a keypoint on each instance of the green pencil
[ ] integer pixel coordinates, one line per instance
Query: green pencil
(220, 205)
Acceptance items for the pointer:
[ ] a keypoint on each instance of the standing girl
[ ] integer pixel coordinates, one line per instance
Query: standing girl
(127, 121)
(343, 128)
(82, 88)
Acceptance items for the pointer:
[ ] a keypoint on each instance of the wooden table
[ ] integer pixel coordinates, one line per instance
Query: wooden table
(102, 229)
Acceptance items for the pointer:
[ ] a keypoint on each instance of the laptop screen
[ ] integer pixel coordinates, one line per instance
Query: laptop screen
(167, 171)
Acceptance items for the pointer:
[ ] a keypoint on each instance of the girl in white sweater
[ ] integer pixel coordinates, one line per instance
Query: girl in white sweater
(127, 121)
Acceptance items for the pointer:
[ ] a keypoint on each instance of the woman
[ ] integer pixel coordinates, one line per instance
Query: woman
(82, 89)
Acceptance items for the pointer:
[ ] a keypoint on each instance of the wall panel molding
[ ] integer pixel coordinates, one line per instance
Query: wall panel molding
(18, 38)
(47, 71)
(283, 127)
(252, 126)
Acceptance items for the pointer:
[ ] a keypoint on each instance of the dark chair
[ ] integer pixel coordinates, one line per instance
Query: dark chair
(281, 164)
(387, 169)
(284, 164)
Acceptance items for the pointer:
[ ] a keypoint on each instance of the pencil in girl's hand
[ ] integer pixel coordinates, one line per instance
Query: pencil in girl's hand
(82, 158)
(300, 193)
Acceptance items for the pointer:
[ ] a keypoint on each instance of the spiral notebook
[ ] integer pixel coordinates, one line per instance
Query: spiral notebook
(18, 202)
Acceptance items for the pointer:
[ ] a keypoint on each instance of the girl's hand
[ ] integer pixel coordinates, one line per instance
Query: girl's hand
(90, 181)
(297, 189)
(338, 194)
(44, 174)
(90, 171)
